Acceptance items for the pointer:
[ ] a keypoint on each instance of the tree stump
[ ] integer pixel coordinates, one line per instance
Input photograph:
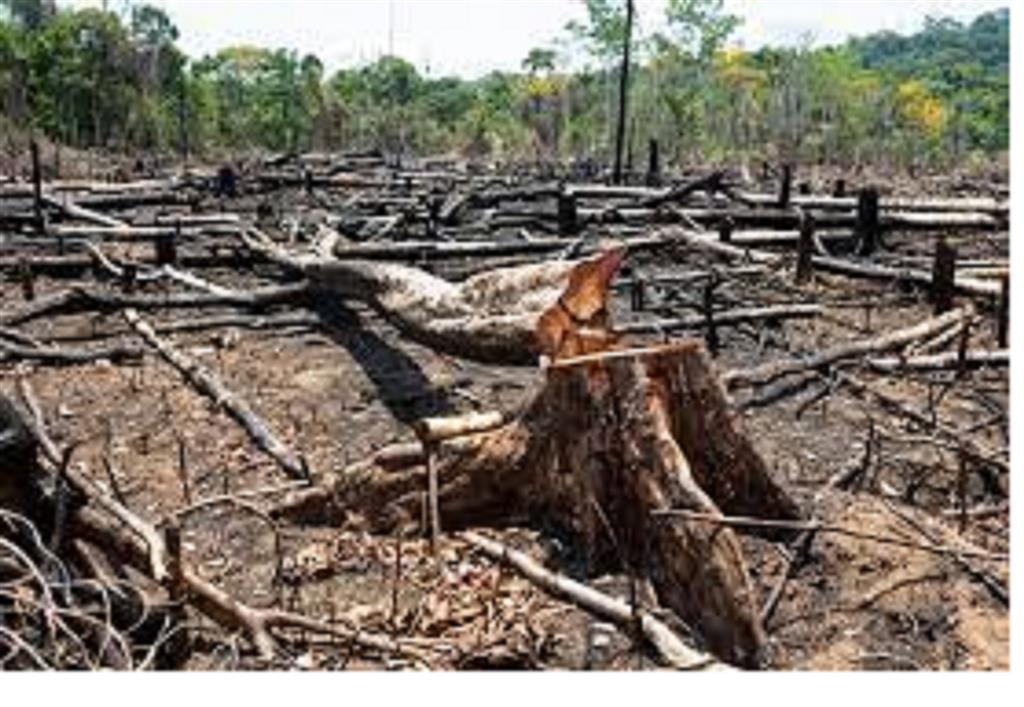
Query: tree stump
(610, 437)
(607, 441)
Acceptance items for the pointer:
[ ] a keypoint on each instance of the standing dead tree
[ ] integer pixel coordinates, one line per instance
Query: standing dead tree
(620, 127)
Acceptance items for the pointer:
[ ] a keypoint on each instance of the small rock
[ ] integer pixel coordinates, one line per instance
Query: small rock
(601, 640)
(65, 411)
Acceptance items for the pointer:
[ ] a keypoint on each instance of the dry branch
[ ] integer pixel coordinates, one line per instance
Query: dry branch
(50, 355)
(209, 385)
(942, 362)
(813, 526)
(769, 372)
(670, 648)
(726, 318)
(75, 211)
(80, 299)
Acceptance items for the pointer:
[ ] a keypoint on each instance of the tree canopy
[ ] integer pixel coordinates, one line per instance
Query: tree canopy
(94, 78)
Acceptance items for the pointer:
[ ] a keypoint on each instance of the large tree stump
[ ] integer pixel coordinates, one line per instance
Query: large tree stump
(608, 440)
(611, 437)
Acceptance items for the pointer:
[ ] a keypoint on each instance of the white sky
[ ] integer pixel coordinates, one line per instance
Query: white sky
(471, 37)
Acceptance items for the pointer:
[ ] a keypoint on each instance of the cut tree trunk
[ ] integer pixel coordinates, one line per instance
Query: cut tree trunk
(609, 439)
(491, 317)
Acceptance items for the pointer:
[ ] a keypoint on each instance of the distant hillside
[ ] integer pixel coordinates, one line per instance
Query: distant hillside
(966, 65)
(945, 42)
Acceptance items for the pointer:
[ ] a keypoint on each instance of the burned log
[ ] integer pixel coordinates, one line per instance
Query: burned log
(79, 299)
(769, 372)
(839, 266)
(942, 362)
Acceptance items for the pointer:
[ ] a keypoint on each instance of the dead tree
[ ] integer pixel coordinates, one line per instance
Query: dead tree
(620, 128)
(491, 317)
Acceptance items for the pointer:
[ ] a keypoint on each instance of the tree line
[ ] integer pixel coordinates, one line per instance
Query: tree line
(90, 78)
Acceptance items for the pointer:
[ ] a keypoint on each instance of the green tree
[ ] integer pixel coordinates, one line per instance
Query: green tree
(28, 15)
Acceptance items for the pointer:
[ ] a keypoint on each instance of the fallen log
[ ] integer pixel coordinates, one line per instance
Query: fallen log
(80, 299)
(50, 355)
(976, 205)
(432, 250)
(849, 268)
(936, 343)
(691, 278)
(23, 191)
(131, 200)
(75, 211)
(709, 242)
(942, 362)
(127, 233)
(772, 371)
(419, 251)
(285, 320)
(490, 317)
(904, 220)
(74, 263)
(726, 318)
(783, 218)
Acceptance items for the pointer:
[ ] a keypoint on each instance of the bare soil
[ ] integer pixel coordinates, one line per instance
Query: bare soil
(341, 389)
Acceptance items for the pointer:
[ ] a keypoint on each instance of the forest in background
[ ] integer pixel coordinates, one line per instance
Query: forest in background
(91, 78)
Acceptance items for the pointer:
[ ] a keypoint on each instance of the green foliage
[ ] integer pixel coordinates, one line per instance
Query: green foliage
(28, 15)
(966, 67)
(539, 59)
(605, 28)
(93, 78)
(700, 27)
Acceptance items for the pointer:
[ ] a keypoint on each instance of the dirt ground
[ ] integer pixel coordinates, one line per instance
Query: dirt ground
(350, 384)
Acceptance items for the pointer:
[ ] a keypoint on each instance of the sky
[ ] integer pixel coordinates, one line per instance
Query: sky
(471, 37)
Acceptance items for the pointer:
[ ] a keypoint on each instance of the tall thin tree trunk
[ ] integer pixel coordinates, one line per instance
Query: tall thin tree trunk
(620, 131)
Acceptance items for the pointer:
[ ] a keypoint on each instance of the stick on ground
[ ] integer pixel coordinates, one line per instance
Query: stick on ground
(672, 650)
(209, 385)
